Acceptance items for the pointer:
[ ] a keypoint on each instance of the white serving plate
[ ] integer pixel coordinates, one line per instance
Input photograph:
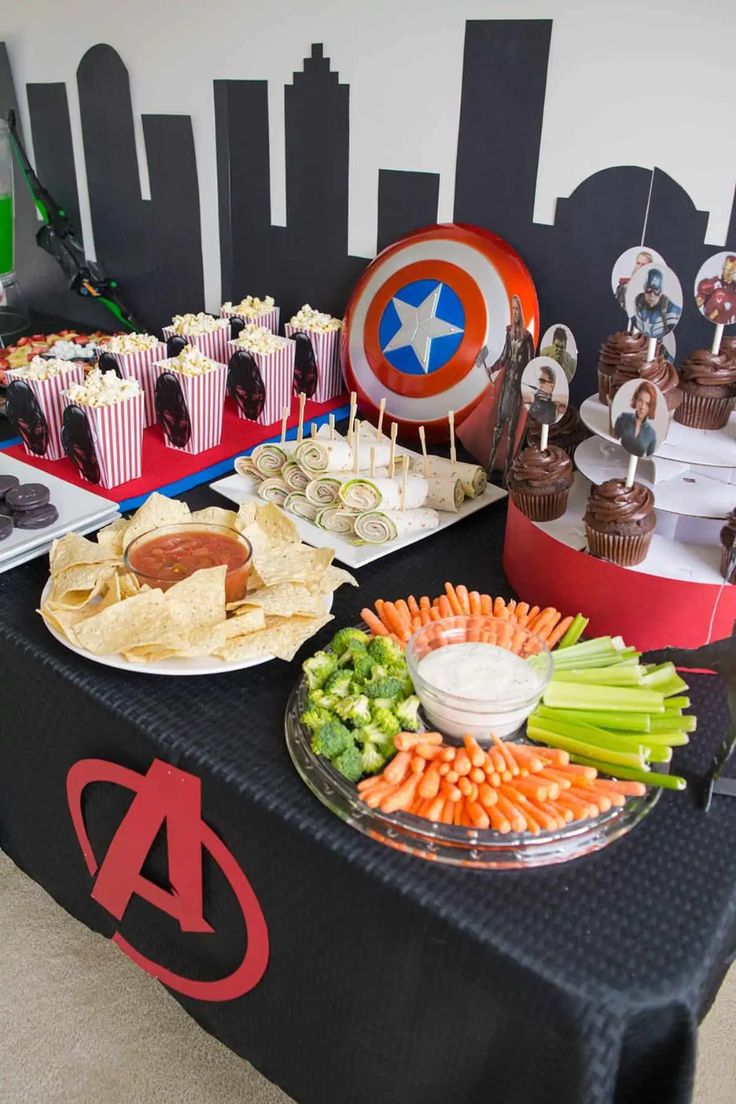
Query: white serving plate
(240, 489)
(202, 665)
(80, 511)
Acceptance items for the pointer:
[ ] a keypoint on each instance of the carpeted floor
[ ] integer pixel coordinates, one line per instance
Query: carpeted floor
(82, 1025)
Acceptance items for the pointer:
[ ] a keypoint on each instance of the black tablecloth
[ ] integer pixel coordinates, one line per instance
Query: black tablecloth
(390, 979)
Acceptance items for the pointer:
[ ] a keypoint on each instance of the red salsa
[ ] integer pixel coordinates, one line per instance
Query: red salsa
(165, 560)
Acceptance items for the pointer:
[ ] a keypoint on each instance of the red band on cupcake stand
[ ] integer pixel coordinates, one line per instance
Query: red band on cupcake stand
(648, 611)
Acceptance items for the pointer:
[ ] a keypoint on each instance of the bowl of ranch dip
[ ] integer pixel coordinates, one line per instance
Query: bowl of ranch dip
(478, 674)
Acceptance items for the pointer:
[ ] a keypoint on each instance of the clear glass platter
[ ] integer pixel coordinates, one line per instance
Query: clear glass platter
(443, 843)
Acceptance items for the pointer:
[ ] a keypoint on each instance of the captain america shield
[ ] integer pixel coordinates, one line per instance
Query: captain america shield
(428, 318)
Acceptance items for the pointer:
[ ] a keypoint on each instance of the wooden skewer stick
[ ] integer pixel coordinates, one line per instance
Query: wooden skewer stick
(404, 476)
(302, 404)
(392, 458)
(313, 429)
(353, 408)
(356, 446)
(381, 412)
(373, 463)
(284, 420)
(453, 450)
(332, 427)
(423, 439)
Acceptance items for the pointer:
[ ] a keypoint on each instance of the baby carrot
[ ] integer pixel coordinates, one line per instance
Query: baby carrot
(436, 806)
(487, 795)
(424, 616)
(453, 600)
(474, 750)
(498, 606)
(511, 607)
(417, 765)
(429, 786)
(512, 812)
(559, 631)
(478, 816)
(405, 741)
(403, 610)
(376, 626)
(463, 764)
(443, 604)
(463, 598)
(506, 754)
(374, 798)
(474, 599)
(628, 789)
(435, 614)
(452, 793)
(486, 604)
(590, 794)
(478, 775)
(448, 812)
(413, 605)
(403, 796)
(424, 602)
(398, 766)
(498, 820)
(522, 610)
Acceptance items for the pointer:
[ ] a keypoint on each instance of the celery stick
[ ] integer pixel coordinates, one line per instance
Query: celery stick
(579, 747)
(602, 676)
(588, 647)
(576, 630)
(669, 721)
(573, 695)
(625, 741)
(659, 675)
(676, 704)
(658, 739)
(659, 753)
(673, 687)
(629, 774)
(629, 722)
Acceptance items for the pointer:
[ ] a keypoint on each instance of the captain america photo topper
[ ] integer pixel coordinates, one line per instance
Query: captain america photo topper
(427, 318)
(558, 342)
(654, 300)
(544, 390)
(632, 259)
(715, 289)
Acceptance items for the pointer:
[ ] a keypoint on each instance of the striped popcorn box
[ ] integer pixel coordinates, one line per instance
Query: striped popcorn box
(277, 382)
(49, 395)
(213, 344)
(326, 345)
(140, 366)
(193, 418)
(269, 319)
(117, 434)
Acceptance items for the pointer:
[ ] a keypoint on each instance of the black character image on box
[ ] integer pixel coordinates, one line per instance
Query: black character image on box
(237, 325)
(305, 366)
(175, 344)
(245, 384)
(517, 351)
(25, 415)
(78, 442)
(106, 362)
(172, 410)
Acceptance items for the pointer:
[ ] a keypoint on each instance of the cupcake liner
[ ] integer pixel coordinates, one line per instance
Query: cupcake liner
(725, 556)
(699, 412)
(624, 551)
(540, 507)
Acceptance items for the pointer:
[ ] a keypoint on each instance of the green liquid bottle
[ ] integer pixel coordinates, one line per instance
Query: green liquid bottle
(6, 234)
(13, 312)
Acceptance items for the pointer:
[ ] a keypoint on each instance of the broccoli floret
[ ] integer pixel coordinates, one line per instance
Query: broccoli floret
(316, 717)
(355, 708)
(372, 759)
(363, 666)
(385, 721)
(386, 651)
(351, 653)
(350, 763)
(407, 713)
(343, 638)
(370, 734)
(320, 699)
(338, 684)
(331, 740)
(318, 668)
(387, 688)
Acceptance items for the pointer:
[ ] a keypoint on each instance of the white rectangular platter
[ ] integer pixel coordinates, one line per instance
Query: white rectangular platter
(80, 511)
(239, 488)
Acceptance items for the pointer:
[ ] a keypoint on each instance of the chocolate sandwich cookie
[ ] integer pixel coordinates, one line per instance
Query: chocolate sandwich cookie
(40, 517)
(6, 482)
(27, 496)
(6, 527)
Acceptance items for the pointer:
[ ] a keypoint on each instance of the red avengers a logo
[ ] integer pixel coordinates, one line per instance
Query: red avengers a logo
(171, 796)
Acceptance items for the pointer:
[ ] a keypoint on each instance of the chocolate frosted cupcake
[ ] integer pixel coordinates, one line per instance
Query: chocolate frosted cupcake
(626, 351)
(728, 536)
(567, 434)
(619, 522)
(539, 482)
(659, 372)
(708, 383)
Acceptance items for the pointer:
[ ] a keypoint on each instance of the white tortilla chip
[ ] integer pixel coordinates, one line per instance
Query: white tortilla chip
(215, 515)
(282, 637)
(156, 511)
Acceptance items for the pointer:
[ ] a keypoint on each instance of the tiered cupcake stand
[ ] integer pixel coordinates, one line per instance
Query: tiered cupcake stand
(677, 595)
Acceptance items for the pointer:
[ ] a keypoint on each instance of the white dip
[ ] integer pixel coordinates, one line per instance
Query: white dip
(479, 671)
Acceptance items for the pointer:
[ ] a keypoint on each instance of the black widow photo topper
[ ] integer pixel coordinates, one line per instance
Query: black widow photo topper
(172, 410)
(305, 365)
(78, 442)
(106, 362)
(245, 384)
(26, 417)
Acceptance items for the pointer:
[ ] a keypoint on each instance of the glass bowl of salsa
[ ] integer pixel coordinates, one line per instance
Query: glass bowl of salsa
(167, 555)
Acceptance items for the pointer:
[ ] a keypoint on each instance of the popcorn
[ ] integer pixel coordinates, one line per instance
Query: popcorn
(250, 307)
(122, 344)
(257, 339)
(307, 318)
(102, 389)
(193, 324)
(40, 369)
(190, 362)
(70, 350)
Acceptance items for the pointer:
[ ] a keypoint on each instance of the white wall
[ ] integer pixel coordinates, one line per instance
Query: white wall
(627, 84)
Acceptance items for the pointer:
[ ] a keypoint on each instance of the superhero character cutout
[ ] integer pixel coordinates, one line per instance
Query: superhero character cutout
(715, 289)
(79, 444)
(172, 410)
(25, 415)
(245, 384)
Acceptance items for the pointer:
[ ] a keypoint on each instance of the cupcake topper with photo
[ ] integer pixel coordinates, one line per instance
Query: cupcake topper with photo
(632, 259)
(640, 421)
(715, 293)
(545, 393)
(558, 342)
(654, 301)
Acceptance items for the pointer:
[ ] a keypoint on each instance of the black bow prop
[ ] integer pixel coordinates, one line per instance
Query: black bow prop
(26, 417)
(78, 442)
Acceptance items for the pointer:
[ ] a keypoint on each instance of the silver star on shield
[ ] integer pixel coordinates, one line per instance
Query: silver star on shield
(419, 325)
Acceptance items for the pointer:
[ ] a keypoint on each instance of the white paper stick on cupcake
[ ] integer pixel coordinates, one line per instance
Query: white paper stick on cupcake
(392, 457)
(302, 404)
(715, 293)
(284, 420)
(425, 461)
(640, 421)
(381, 412)
(544, 438)
(453, 450)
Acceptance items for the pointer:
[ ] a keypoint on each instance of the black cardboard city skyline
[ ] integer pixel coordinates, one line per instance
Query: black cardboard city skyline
(154, 247)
